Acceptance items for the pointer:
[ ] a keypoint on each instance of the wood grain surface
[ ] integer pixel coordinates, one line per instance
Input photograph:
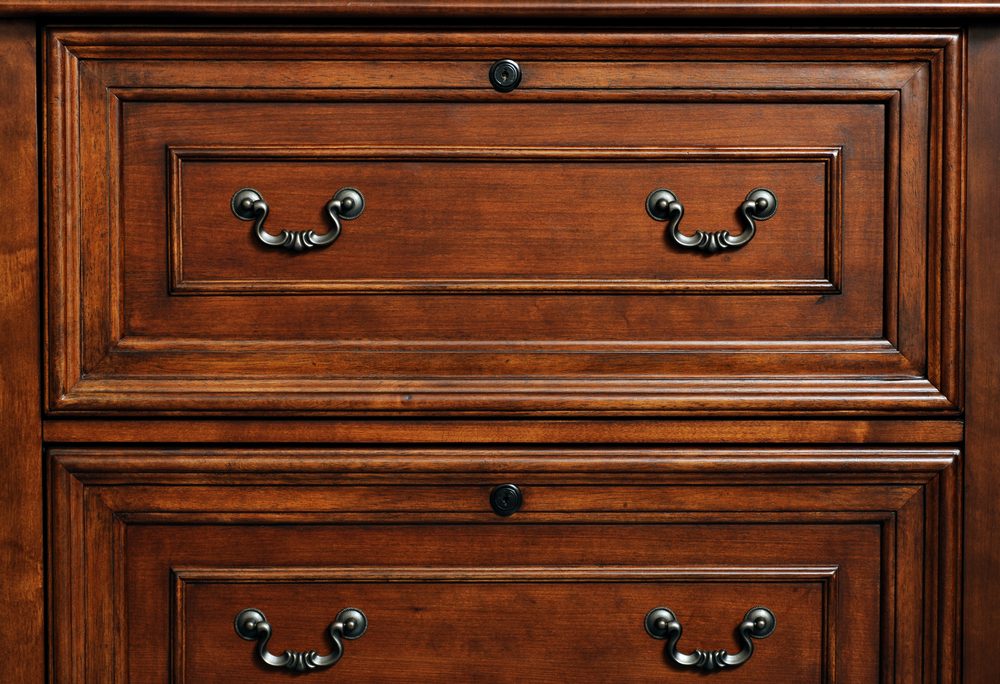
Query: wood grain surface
(409, 537)
(568, 431)
(21, 537)
(807, 423)
(563, 10)
(457, 304)
(982, 478)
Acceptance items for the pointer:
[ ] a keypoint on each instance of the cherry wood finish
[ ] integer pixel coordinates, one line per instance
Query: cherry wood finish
(982, 477)
(521, 276)
(848, 547)
(840, 468)
(620, 431)
(441, 217)
(21, 549)
(562, 10)
(447, 616)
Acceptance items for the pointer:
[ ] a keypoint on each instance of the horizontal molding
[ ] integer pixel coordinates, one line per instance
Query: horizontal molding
(510, 431)
(505, 575)
(543, 396)
(129, 464)
(608, 36)
(137, 344)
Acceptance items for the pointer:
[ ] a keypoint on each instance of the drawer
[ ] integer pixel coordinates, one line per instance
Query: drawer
(850, 551)
(334, 222)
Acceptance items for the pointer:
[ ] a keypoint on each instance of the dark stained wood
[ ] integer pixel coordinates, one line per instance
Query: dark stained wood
(681, 431)
(563, 10)
(459, 304)
(436, 624)
(982, 478)
(808, 423)
(490, 220)
(21, 551)
(412, 540)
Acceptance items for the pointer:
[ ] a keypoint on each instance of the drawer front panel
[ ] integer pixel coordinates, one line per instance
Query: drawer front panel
(847, 548)
(505, 258)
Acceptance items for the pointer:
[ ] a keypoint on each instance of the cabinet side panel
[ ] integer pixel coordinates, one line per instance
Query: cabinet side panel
(982, 479)
(21, 601)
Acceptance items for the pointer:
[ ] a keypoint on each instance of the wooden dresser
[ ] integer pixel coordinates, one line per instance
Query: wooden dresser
(466, 341)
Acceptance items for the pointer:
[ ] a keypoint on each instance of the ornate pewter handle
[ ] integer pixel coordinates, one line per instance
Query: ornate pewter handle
(661, 623)
(759, 205)
(249, 205)
(252, 625)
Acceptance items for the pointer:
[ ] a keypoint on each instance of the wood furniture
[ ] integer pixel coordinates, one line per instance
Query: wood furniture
(460, 341)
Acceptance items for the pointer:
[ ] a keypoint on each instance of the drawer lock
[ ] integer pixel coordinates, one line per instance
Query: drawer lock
(505, 75)
(506, 499)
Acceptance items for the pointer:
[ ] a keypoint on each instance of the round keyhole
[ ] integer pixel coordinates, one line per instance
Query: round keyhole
(506, 499)
(505, 75)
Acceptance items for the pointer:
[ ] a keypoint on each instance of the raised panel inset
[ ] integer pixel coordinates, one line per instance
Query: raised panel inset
(530, 615)
(470, 219)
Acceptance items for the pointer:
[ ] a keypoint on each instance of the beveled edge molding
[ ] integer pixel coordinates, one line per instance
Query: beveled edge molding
(182, 578)
(667, 10)
(607, 396)
(79, 358)
(127, 464)
(830, 157)
(911, 494)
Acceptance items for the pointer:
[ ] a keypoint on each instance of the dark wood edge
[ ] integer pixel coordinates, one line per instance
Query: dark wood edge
(22, 600)
(981, 600)
(647, 10)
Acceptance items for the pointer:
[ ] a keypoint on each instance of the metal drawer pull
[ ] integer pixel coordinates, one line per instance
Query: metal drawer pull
(249, 205)
(661, 623)
(252, 625)
(759, 205)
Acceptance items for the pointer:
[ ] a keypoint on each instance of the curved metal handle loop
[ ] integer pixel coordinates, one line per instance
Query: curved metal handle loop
(759, 205)
(758, 623)
(251, 625)
(249, 205)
